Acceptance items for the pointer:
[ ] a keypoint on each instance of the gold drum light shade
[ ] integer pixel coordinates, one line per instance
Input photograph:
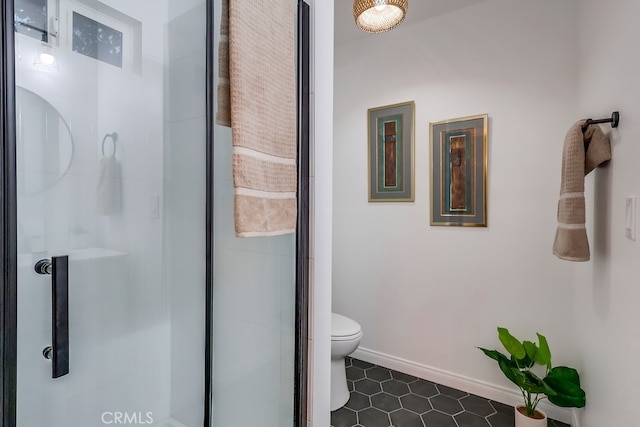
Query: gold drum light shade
(377, 16)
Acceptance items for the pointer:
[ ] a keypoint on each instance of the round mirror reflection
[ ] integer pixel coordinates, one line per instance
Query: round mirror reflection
(44, 143)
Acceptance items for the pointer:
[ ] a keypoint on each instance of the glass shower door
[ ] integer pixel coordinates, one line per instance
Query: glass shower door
(111, 212)
(254, 297)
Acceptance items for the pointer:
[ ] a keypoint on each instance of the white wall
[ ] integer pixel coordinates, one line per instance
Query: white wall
(605, 290)
(426, 294)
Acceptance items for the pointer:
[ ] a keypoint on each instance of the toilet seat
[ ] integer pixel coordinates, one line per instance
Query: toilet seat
(344, 328)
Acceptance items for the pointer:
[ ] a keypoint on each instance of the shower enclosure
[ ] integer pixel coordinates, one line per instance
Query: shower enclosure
(126, 298)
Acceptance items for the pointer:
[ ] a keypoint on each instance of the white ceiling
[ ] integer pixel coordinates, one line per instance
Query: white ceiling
(346, 30)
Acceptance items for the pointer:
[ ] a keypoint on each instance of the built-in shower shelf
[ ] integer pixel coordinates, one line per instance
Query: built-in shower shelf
(93, 253)
(86, 254)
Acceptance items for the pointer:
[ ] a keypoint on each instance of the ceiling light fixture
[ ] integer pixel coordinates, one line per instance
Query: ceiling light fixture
(377, 16)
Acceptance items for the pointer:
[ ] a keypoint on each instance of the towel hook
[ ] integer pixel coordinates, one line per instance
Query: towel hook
(114, 137)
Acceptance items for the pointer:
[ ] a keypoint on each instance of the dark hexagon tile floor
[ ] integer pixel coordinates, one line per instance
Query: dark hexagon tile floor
(381, 397)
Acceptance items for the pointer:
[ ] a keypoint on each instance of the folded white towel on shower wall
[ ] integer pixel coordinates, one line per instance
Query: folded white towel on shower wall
(109, 189)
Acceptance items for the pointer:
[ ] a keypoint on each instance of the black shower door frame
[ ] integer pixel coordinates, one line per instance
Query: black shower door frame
(8, 219)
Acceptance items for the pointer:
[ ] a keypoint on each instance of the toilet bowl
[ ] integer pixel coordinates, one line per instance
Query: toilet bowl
(345, 338)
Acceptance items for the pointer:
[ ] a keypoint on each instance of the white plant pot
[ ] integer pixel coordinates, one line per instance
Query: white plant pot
(524, 421)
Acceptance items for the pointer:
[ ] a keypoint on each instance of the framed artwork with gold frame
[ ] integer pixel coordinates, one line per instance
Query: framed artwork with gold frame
(391, 153)
(459, 171)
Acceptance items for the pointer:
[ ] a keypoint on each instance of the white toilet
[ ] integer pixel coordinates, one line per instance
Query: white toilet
(345, 338)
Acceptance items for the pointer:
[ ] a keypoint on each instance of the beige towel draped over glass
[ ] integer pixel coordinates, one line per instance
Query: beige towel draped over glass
(257, 98)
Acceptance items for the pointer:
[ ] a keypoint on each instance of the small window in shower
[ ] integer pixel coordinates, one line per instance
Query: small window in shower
(31, 18)
(96, 40)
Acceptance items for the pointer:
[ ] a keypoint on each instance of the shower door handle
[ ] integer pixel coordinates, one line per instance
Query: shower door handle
(58, 268)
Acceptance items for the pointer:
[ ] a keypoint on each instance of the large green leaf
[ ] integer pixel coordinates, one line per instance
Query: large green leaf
(494, 354)
(568, 394)
(530, 348)
(543, 356)
(528, 361)
(565, 373)
(511, 344)
(512, 372)
(566, 383)
(508, 367)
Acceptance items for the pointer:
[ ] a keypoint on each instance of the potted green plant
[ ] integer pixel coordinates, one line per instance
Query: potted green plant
(560, 384)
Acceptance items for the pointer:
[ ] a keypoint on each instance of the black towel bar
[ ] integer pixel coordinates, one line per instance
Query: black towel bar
(614, 120)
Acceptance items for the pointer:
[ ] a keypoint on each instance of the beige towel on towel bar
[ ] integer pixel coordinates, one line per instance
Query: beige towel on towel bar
(223, 112)
(571, 242)
(258, 100)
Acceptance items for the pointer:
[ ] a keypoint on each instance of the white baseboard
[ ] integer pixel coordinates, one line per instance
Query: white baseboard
(484, 389)
(575, 417)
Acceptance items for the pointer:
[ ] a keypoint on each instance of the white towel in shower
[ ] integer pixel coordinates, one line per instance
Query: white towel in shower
(109, 190)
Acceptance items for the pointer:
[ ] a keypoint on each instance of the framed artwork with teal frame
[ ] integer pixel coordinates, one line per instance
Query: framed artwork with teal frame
(459, 171)
(391, 153)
